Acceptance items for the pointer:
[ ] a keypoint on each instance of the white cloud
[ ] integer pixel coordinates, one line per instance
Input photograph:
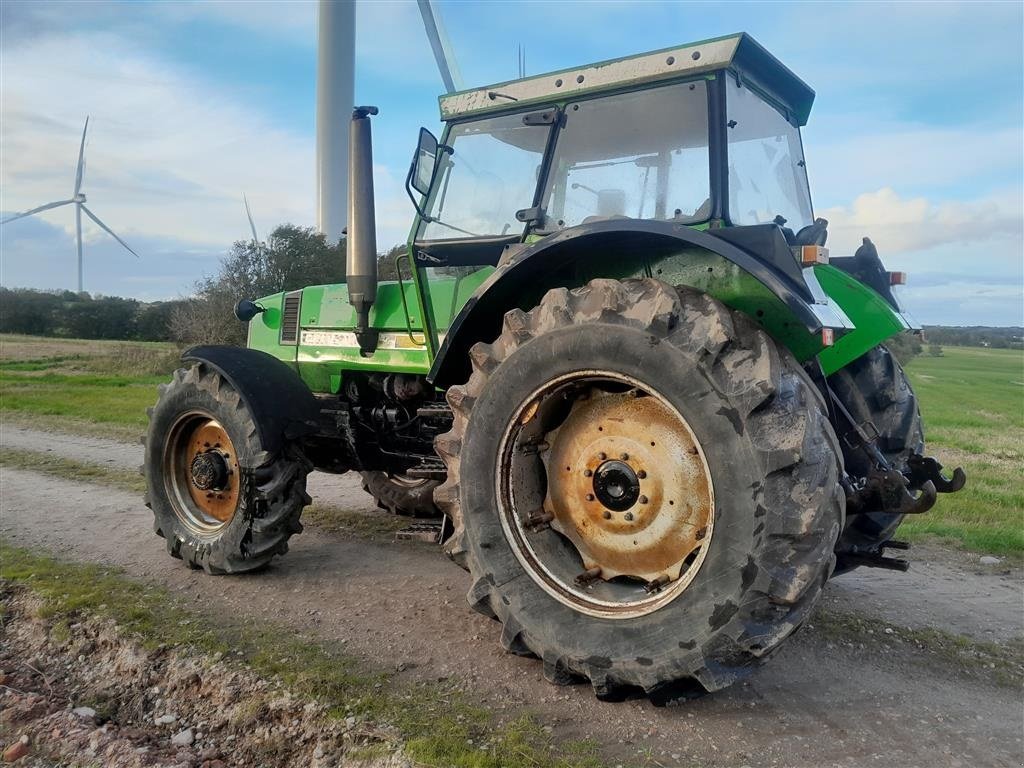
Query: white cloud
(900, 225)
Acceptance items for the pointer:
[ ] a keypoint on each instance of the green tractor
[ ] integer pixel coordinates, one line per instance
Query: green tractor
(618, 373)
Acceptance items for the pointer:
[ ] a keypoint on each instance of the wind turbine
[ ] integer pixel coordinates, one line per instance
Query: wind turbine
(252, 224)
(78, 199)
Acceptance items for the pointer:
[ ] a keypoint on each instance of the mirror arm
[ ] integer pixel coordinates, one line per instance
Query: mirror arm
(412, 195)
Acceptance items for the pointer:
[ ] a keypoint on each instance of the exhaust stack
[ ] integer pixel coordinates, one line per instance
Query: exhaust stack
(361, 242)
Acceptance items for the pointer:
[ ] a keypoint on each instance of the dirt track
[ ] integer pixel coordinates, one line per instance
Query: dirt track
(820, 702)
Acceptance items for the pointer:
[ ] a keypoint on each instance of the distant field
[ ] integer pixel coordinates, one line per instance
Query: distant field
(98, 387)
(972, 401)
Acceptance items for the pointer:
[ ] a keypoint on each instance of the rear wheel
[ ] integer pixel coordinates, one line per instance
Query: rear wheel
(644, 488)
(874, 388)
(219, 499)
(402, 495)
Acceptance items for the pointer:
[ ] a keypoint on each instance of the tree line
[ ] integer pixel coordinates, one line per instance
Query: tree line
(81, 316)
(292, 257)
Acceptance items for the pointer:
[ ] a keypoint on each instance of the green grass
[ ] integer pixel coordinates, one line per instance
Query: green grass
(972, 403)
(71, 382)
(440, 727)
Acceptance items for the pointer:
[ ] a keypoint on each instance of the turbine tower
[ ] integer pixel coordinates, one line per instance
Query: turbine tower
(78, 199)
(335, 98)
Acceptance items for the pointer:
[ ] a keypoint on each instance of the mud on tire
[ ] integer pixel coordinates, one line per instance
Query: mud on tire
(875, 388)
(400, 495)
(271, 490)
(773, 457)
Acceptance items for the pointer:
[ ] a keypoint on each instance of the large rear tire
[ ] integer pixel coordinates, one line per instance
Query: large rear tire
(221, 501)
(875, 388)
(743, 416)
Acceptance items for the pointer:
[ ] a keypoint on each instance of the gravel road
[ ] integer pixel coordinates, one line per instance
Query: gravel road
(820, 702)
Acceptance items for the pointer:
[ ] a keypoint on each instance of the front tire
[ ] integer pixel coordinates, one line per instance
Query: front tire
(756, 422)
(221, 501)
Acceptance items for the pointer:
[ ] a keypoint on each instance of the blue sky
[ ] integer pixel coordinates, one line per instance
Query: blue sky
(915, 138)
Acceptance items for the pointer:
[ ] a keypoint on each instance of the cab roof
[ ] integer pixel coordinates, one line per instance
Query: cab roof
(739, 53)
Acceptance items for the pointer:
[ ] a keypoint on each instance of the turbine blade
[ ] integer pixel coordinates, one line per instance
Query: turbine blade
(107, 229)
(46, 207)
(81, 159)
(252, 224)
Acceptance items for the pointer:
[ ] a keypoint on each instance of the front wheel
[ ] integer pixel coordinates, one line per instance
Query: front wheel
(220, 500)
(644, 487)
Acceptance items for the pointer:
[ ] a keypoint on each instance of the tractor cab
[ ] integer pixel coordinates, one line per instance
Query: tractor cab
(706, 135)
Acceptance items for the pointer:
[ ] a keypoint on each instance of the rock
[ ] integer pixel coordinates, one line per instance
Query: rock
(183, 738)
(86, 713)
(350, 722)
(214, 764)
(166, 720)
(16, 751)
(989, 560)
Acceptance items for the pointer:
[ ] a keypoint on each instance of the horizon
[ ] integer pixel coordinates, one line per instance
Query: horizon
(194, 104)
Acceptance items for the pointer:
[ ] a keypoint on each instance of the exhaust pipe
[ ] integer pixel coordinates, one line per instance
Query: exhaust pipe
(361, 241)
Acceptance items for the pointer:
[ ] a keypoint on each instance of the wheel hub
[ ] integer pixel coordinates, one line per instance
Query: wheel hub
(628, 486)
(616, 486)
(209, 471)
(202, 472)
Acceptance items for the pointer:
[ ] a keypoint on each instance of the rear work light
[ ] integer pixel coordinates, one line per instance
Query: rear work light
(897, 278)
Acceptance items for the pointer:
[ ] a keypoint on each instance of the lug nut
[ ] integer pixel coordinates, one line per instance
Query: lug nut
(629, 516)
(624, 456)
(641, 474)
(587, 473)
(607, 515)
(590, 497)
(592, 574)
(602, 455)
(642, 499)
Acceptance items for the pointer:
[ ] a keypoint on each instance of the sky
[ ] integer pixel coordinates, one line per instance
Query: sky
(916, 138)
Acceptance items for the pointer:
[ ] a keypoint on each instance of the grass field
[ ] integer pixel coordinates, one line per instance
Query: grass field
(972, 401)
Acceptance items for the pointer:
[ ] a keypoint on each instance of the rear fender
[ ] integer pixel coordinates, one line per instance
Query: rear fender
(775, 291)
(280, 402)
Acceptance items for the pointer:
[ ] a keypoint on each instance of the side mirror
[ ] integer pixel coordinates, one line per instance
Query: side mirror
(246, 310)
(424, 163)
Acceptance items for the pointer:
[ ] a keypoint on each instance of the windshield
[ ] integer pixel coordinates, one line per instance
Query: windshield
(767, 175)
(490, 174)
(641, 155)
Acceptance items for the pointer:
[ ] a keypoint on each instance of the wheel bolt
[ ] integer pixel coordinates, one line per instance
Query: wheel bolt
(641, 474)
(629, 516)
(642, 499)
(590, 497)
(624, 457)
(587, 473)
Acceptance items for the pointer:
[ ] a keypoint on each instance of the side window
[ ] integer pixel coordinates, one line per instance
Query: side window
(767, 175)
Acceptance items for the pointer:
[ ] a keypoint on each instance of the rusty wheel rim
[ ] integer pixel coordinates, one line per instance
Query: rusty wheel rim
(201, 473)
(605, 494)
